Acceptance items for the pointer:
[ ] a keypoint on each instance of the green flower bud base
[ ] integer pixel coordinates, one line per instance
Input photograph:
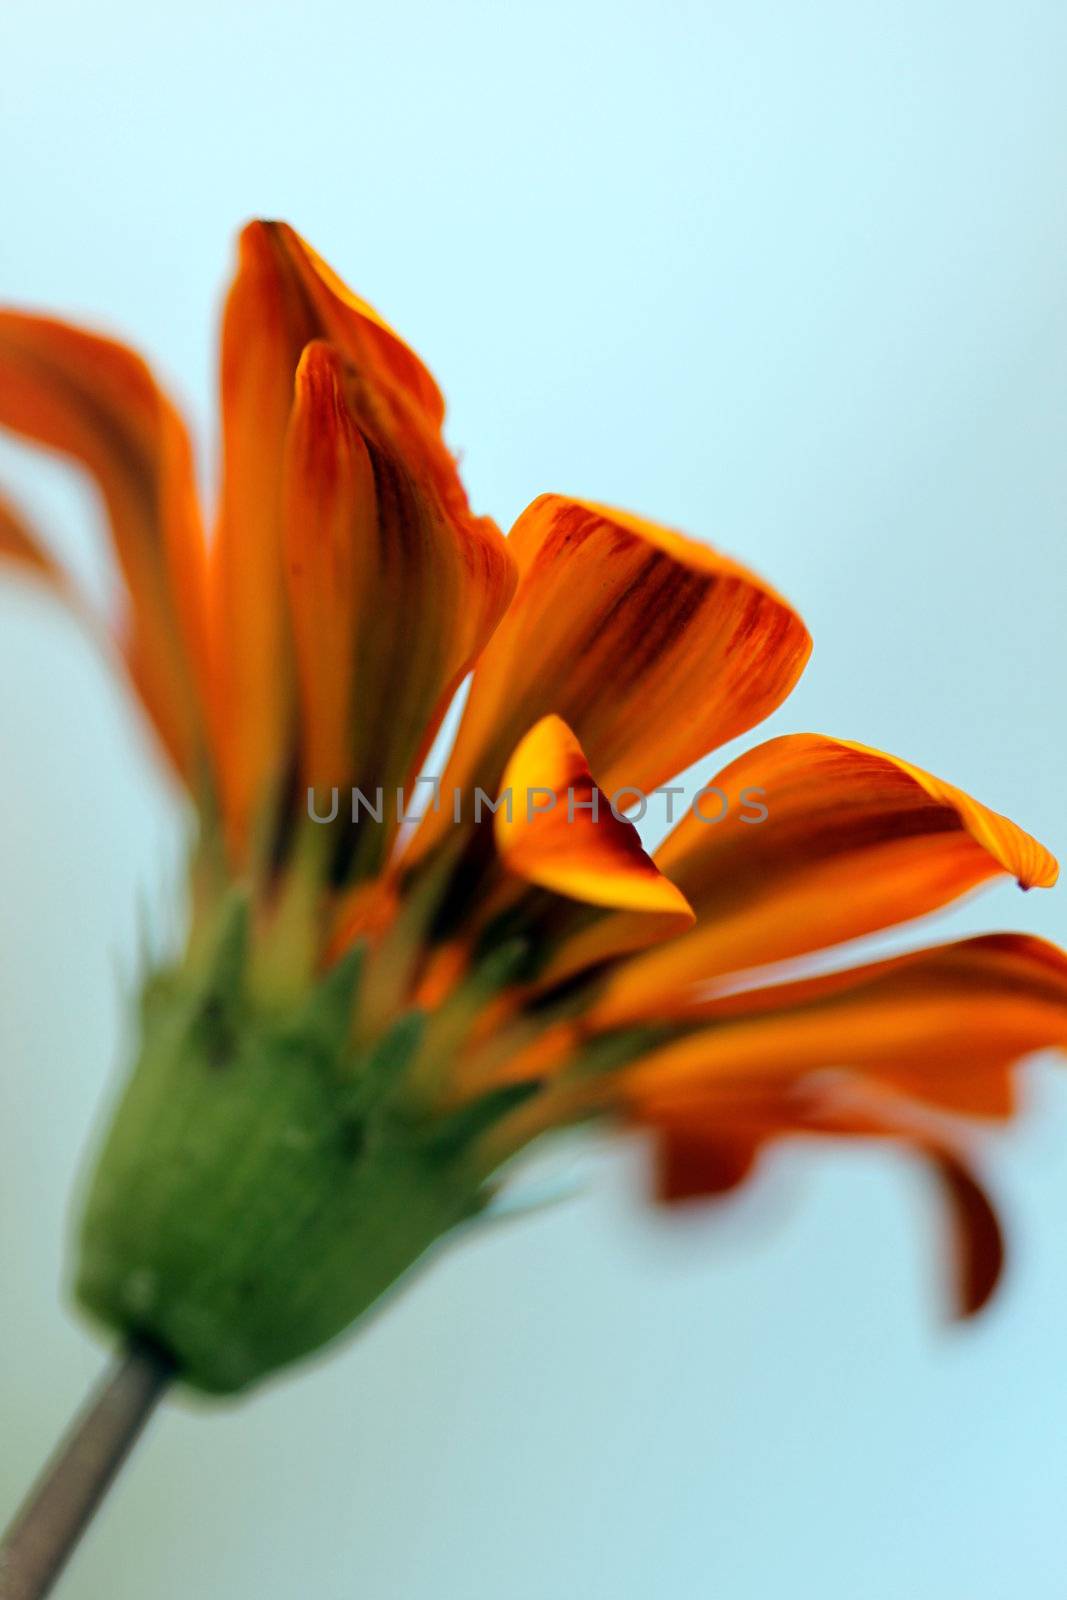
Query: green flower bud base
(258, 1190)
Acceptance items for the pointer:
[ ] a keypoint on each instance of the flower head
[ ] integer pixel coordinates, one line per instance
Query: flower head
(375, 1014)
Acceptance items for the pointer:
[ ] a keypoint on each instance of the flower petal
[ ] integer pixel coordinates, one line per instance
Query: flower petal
(21, 549)
(975, 1007)
(562, 835)
(977, 1243)
(972, 1005)
(694, 1162)
(651, 647)
(95, 401)
(703, 1161)
(391, 599)
(283, 298)
(852, 841)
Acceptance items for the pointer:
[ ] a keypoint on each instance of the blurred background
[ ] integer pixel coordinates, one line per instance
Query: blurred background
(790, 276)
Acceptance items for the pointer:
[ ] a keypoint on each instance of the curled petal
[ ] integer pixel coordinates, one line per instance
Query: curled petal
(96, 402)
(698, 1163)
(976, 1239)
(850, 841)
(562, 834)
(704, 1159)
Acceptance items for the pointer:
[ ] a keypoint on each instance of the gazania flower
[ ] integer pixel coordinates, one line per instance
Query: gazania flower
(374, 1016)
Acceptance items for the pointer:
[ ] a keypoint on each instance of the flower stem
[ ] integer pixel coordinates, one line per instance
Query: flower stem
(65, 1497)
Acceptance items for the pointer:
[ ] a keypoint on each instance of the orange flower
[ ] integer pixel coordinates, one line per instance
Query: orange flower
(442, 994)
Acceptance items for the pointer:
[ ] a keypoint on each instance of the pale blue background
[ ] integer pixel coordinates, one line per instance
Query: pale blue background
(790, 275)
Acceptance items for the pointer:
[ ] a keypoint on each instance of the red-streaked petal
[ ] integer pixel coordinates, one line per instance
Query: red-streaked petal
(391, 600)
(651, 647)
(96, 402)
(978, 1002)
(852, 841)
(562, 835)
(283, 298)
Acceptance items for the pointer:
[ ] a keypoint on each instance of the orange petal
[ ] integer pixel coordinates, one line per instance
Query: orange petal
(706, 1150)
(264, 329)
(976, 1241)
(974, 1004)
(701, 1161)
(283, 298)
(852, 841)
(95, 401)
(23, 549)
(651, 647)
(394, 395)
(391, 599)
(697, 1163)
(561, 834)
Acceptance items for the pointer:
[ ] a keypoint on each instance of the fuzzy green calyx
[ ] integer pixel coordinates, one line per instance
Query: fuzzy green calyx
(263, 1184)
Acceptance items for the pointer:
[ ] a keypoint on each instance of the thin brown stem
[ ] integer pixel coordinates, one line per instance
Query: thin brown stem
(62, 1503)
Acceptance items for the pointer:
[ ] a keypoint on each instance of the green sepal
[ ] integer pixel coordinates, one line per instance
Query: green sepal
(462, 1127)
(261, 1187)
(326, 1014)
(376, 1079)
